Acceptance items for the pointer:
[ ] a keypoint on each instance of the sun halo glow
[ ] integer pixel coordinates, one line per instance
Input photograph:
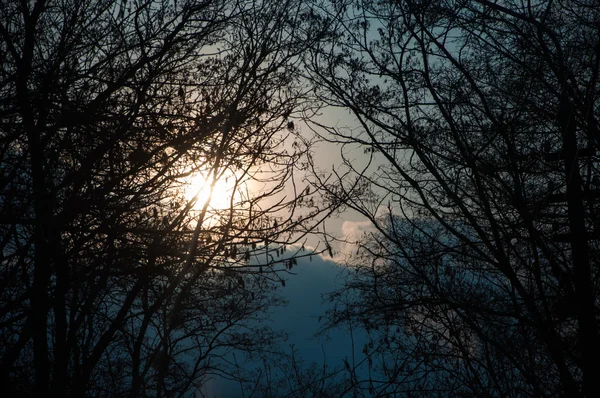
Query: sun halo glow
(197, 185)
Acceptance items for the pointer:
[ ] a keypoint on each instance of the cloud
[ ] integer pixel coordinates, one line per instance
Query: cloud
(352, 232)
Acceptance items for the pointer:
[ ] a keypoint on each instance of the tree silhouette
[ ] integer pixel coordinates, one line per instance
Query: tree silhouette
(112, 283)
(480, 123)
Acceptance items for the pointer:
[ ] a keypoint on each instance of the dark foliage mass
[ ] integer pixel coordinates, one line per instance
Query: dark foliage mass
(111, 282)
(480, 122)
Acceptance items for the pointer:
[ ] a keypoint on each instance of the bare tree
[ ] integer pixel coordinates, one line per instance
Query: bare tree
(114, 281)
(479, 119)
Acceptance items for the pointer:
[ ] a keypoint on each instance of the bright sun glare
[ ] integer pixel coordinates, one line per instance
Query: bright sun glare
(198, 184)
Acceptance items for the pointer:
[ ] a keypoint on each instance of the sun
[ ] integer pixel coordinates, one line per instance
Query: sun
(198, 187)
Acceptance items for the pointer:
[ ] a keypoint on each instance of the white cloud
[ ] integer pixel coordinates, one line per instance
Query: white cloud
(352, 232)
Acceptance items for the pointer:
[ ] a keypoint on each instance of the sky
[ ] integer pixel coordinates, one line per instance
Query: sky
(311, 280)
(304, 291)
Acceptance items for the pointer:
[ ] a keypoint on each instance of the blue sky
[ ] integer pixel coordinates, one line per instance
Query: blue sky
(299, 319)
